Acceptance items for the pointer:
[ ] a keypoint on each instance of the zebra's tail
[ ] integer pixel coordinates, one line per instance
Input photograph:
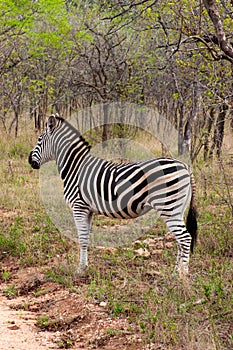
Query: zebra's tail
(191, 223)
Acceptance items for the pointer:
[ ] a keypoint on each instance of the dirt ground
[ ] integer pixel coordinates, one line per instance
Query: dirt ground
(43, 315)
(18, 330)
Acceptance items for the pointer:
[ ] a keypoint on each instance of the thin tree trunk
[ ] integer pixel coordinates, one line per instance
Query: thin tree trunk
(221, 126)
(210, 121)
(180, 129)
(187, 144)
(105, 132)
(218, 132)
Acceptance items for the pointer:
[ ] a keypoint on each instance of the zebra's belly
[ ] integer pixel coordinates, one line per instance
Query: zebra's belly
(116, 210)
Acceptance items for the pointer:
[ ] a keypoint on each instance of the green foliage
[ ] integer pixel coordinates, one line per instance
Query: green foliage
(10, 291)
(18, 150)
(12, 242)
(6, 275)
(43, 322)
(62, 275)
(44, 22)
(66, 341)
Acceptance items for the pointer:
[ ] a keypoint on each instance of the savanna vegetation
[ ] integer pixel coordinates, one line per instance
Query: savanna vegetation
(173, 56)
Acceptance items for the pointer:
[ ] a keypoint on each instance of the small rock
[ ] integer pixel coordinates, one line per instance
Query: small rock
(14, 327)
(142, 252)
(149, 241)
(169, 245)
(169, 236)
(103, 303)
(135, 243)
(157, 251)
(153, 273)
(153, 264)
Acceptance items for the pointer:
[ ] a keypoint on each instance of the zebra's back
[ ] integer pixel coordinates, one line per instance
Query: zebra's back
(126, 190)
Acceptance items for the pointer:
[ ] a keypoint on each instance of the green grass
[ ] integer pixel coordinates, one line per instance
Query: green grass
(172, 313)
(11, 291)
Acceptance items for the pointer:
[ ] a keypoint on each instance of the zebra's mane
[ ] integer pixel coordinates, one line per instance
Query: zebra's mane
(78, 134)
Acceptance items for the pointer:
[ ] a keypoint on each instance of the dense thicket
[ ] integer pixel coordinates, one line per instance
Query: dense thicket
(175, 56)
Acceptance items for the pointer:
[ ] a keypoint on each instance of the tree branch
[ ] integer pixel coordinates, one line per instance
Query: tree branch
(129, 7)
(212, 9)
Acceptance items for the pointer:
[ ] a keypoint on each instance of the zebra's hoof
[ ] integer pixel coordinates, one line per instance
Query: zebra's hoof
(81, 269)
(182, 271)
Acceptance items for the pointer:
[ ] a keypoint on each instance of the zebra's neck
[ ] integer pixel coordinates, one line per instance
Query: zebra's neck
(70, 149)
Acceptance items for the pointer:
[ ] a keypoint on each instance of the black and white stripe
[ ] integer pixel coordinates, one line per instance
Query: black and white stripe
(94, 185)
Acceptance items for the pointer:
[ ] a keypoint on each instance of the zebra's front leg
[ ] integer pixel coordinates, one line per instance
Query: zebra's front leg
(82, 218)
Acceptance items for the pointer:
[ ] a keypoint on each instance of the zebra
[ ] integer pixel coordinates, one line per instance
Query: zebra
(118, 190)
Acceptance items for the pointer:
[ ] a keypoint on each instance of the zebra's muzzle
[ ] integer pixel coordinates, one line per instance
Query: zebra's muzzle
(34, 164)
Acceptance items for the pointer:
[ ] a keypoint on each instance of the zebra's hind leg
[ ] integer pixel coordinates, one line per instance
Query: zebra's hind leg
(183, 238)
(82, 218)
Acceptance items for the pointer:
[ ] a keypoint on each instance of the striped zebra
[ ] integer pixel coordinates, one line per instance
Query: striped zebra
(94, 185)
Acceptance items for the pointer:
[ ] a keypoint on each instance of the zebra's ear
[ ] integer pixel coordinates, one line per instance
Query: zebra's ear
(51, 123)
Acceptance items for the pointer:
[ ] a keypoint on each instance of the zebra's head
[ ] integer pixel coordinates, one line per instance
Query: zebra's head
(43, 151)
